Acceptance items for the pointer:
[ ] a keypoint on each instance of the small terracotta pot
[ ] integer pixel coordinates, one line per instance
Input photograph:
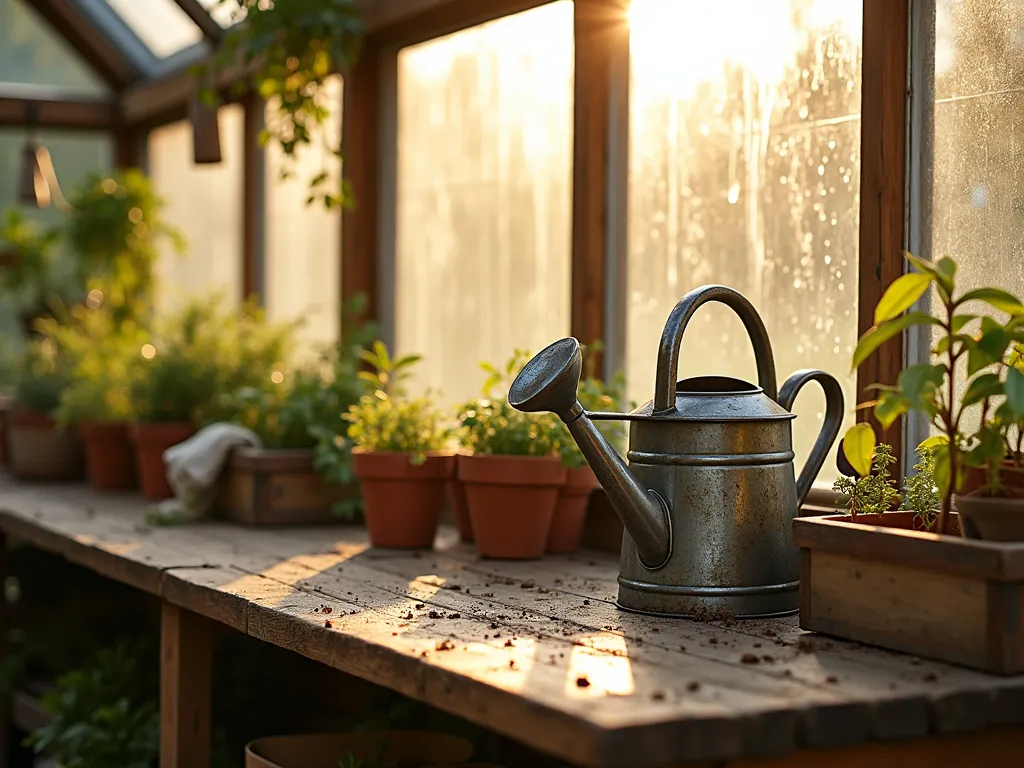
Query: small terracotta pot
(42, 451)
(151, 439)
(402, 501)
(511, 502)
(460, 509)
(1010, 475)
(571, 510)
(109, 454)
(991, 519)
(324, 750)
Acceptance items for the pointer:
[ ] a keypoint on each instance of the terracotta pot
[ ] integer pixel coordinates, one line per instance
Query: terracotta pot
(571, 510)
(151, 439)
(991, 519)
(42, 451)
(511, 502)
(402, 502)
(1010, 475)
(324, 750)
(460, 509)
(109, 454)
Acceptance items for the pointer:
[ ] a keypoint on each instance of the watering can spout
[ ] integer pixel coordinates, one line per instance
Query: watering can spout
(549, 382)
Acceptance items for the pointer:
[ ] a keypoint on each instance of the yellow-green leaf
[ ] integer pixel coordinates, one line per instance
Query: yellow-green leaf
(859, 448)
(1002, 300)
(901, 295)
(932, 442)
(879, 334)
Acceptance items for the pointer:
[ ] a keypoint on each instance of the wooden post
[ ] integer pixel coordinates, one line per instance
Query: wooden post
(185, 668)
(5, 703)
(883, 157)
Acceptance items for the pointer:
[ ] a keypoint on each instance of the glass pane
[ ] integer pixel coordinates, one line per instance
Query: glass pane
(32, 53)
(484, 194)
(75, 156)
(160, 24)
(303, 242)
(205, 203)
(225, 12)
(744, 170)
(979, 144)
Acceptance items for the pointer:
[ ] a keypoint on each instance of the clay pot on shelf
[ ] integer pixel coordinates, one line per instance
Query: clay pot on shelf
(40, 450)
(109, 455)
(571, 510)
(325, 750)
(151, 439)
(402, 501)
(460, 509)
(991, 519)
(511, 502)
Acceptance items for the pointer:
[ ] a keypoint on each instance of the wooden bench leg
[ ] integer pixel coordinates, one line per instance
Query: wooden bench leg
(186, 649)
(5, 703)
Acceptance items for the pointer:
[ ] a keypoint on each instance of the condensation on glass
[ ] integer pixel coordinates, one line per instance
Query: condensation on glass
(161, 24)
(745, 170)
(973, 199)
(33, 54)
(205, 203)
(483, 221)
(302, 277)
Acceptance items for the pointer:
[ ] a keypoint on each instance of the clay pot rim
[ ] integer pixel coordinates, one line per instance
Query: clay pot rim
(398, 466)
(499, 469)
(26, 417)
(975, 499)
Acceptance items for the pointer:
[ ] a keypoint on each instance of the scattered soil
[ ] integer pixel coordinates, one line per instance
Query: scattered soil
(832, 679)
(509, 644)
(327, 623)
(693, 686)
(750, 658)
(582, 682)
(445, 645)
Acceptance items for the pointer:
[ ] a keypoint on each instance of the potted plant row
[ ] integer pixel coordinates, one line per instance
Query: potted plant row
(902, 579)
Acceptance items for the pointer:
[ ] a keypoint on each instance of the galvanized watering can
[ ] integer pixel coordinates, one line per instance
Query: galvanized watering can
(710, 492)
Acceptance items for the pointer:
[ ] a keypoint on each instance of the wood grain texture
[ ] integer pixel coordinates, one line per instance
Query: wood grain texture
(882, 167)
(186, 655)
(506, 644)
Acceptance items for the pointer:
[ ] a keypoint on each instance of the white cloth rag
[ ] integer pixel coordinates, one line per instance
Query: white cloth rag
(195, 466)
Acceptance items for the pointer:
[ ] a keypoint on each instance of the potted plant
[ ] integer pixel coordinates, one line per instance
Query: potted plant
(40, 449)
(400, 455)
(856, 571)
(97, 399)
(513, 470)
(184, 370)
(27, 276)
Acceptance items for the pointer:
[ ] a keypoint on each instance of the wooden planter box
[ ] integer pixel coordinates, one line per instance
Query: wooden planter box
(942, 597)
(263, 487)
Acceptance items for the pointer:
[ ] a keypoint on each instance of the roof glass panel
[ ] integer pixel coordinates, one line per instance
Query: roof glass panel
(33, 54)
(224, 12)
(160, 24)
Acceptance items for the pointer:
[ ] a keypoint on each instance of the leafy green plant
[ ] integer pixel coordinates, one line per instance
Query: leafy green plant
(102, 354)
(103, 714)
(42, 377)
(995, 380)
(920, 494)
(490, 425)
(28, 280)
(874, 492)
(387, 420)
(114, 230)
(289, 50)
(202, 354)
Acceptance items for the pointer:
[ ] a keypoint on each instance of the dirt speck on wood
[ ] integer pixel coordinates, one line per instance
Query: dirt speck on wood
(582, 682)
(750, 658)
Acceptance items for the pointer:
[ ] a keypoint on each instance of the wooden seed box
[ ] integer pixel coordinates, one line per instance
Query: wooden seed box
(941, 597)
(264, 487)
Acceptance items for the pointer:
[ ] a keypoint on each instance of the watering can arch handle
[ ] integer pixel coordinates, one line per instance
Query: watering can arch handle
(834, 410)
(672, 339)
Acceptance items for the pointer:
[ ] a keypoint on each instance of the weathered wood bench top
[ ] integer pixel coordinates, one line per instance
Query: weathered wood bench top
(535, 650)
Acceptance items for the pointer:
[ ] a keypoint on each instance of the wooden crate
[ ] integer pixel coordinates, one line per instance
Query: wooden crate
(941, 597)
(263, 487)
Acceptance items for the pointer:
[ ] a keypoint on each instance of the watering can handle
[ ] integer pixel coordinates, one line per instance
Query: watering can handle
(672, 339)
(829, 429)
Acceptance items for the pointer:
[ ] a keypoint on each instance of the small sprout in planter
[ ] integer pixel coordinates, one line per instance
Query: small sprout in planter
(920, 493)
(874, 492)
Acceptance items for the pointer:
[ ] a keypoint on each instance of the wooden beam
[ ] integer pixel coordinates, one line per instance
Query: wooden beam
(600, 34)
(88, 41)
(58, 113)
(253, 171)
(201, 17)
(360, 148)
(883, 168)
(186, 648)
(407, 22)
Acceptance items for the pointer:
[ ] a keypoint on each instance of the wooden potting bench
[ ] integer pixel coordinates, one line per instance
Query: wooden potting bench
(533, 650)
